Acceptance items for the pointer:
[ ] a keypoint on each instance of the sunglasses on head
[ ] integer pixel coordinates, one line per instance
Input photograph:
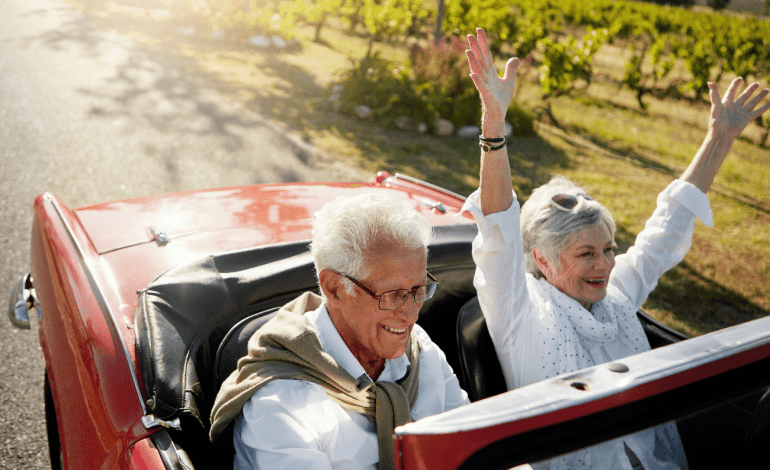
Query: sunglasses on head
(567, 202)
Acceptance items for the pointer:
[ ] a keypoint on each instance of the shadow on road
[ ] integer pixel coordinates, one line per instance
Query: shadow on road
(188, 115)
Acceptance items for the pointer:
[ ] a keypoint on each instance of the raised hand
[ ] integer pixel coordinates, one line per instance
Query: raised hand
(730, 115)
(496, 93)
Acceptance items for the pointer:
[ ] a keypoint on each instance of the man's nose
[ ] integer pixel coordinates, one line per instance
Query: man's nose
(410, 310)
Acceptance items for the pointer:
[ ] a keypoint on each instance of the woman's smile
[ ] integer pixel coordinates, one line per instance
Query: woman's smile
(585, 265)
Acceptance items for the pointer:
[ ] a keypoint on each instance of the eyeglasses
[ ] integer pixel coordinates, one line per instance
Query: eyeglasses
(394, 299)
(567, 202)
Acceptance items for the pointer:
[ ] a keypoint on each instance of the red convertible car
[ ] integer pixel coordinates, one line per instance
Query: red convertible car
(145, 305)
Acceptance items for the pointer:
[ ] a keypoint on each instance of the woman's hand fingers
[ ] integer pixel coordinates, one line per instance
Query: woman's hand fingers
(731, 115)
(483, 61)
(481, 35)
(511, 68)
(478, 75)
(473, 62)
(496, 93)
(730, 94)
(760, 111)
(746, 93)
(747, 99)
(753, 102)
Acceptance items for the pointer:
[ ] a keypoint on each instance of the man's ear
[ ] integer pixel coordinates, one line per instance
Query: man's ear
(330, 284)
(542, 262)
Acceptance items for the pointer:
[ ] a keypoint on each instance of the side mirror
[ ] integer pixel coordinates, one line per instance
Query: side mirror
(23, 298)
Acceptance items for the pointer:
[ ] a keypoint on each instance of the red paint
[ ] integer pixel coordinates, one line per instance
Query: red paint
(141, 456)
(98, 412)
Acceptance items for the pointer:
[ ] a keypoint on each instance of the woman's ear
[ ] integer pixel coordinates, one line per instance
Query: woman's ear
(542, 262)
(330, 284)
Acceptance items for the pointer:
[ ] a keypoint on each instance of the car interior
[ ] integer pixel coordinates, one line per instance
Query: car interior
(193, 323)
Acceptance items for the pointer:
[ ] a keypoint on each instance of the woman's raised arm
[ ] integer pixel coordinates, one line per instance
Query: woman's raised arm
(496, 94)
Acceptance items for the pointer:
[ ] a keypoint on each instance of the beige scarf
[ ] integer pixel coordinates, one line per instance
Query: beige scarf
(287, 347)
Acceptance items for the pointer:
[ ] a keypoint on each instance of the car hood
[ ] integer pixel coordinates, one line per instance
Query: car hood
(261, 214)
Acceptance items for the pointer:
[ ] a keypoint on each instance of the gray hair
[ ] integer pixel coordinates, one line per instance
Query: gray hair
(551, 229)
(346, 230)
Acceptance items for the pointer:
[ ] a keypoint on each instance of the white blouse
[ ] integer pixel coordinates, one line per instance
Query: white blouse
(539, 332)
(294, 424)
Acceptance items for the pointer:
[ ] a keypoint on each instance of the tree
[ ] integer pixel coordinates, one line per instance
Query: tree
(316, 12)
(386, 19)
(718, 4)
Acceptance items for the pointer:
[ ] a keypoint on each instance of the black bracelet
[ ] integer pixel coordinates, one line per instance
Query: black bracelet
(491, 140)
(485, 147)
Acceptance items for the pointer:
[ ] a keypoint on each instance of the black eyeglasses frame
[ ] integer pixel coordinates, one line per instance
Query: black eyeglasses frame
(413, 292)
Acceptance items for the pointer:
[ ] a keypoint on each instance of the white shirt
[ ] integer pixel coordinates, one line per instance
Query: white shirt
(294, 424)
(539, 332)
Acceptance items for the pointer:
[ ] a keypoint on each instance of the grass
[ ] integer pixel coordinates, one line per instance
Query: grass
(622, 155)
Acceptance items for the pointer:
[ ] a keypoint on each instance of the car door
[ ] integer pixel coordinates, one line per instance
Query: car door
(713, 387)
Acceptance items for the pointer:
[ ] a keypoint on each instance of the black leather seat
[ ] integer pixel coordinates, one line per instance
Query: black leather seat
(480, 370)
(235, 344)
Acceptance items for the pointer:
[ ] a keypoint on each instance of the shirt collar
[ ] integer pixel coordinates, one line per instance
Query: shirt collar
(333, 345)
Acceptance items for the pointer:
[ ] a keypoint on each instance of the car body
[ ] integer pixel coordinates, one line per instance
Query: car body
(144, 306)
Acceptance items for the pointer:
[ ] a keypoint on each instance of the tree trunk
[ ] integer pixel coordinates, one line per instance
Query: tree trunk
(439, 22)
(318, 27)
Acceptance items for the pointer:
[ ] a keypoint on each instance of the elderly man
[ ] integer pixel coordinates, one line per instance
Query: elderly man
(328, 378)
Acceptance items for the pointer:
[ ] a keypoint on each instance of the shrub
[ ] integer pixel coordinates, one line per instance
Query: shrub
(386, 89)
(564, 63)
(699, 60)
(438, 85)
(521, 121)
(497, 16)
(442, 76)
(232, 16)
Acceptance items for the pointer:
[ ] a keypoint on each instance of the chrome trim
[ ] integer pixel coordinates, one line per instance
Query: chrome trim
(159, 236)
(435, 205)
(99, 298)
(428, 185)
(18, 311)
(150, 421)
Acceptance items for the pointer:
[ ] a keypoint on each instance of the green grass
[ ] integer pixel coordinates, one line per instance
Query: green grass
(624, 156)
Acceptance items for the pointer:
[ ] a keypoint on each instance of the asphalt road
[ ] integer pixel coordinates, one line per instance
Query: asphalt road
(91, 116)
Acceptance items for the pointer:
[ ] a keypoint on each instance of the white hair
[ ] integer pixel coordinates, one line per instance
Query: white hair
(551, 229)
(346, 230)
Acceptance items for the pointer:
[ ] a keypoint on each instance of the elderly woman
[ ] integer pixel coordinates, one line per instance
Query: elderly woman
(555, 297)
